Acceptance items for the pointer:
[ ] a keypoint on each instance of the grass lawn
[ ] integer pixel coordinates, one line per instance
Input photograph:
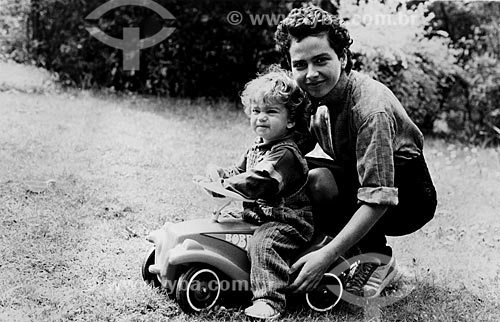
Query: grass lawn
(111, 169)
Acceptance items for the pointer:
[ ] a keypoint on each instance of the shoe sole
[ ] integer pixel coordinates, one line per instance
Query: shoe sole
(260, 317)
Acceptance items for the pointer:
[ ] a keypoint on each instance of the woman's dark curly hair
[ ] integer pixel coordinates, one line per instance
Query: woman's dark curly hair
(276, 87)
(313, 21)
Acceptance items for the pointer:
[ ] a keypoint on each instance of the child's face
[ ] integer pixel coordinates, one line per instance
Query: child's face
(315, 65)
(270, 122)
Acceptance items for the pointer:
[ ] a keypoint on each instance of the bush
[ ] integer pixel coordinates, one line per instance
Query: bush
(390, 45)
(205, 56)
(13, 30)
(449, 84)
(208, 57)
(471, 112)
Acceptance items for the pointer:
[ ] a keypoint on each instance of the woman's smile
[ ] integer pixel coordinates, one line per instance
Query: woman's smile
(315, 65)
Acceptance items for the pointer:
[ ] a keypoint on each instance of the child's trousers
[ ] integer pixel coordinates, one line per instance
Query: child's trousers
(272, 247)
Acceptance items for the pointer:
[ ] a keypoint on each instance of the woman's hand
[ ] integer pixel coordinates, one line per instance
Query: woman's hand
(312, 267)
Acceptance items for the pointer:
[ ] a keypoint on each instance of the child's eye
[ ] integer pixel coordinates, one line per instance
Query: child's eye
(255, 111)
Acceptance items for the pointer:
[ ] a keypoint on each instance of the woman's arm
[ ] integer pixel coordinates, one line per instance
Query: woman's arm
(313, 265)
(375, 166)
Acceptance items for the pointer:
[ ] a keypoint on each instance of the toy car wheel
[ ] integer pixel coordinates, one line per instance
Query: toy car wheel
(150, 278)
(198, 289)
(327, 295)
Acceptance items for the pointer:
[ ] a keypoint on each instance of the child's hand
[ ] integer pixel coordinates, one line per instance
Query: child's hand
(251, 217)
(212, 172)
(202, 179)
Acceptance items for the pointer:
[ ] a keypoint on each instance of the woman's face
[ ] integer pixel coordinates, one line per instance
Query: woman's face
(315, 65)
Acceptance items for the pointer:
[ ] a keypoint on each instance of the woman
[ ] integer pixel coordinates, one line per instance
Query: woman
(378, 183)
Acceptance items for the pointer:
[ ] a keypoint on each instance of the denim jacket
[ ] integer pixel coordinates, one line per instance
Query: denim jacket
(276, 175)
(363, 127)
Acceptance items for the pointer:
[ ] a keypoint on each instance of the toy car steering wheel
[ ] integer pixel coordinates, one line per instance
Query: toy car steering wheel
(222, 196)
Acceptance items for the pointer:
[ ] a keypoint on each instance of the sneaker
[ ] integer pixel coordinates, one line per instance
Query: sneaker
(262, 310)
(380, 278)
(358, 278)
(371, 277)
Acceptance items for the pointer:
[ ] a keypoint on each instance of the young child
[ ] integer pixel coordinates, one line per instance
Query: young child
(273, 172)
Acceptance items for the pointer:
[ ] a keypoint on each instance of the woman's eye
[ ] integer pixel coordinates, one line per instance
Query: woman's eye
(299, 66)
(322, 60)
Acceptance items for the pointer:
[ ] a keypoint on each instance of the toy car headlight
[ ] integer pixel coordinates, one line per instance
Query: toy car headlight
(164, 240)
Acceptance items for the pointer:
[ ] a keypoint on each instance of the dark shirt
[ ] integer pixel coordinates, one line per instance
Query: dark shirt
(267, 171)
(276, 175)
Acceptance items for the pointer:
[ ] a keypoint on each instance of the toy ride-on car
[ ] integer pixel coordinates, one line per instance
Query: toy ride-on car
(204, 262)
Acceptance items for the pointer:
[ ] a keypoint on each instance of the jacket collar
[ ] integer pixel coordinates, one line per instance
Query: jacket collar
(259, 142)
(335, 99)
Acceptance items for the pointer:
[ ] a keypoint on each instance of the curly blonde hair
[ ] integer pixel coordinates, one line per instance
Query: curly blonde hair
(276, 87)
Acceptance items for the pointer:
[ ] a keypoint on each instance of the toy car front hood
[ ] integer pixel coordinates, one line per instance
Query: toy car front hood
(208, 226)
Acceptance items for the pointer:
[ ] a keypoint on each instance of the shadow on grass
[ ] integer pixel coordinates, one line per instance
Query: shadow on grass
(426, 302)
(437, 303)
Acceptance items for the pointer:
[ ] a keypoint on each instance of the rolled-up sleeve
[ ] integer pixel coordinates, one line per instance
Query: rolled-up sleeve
(375, 161)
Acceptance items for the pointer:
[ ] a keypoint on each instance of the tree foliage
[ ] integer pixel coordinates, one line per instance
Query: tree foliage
(206, 55)
(473, 112)
(390, 44)
(440, 58)
(13, 29)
